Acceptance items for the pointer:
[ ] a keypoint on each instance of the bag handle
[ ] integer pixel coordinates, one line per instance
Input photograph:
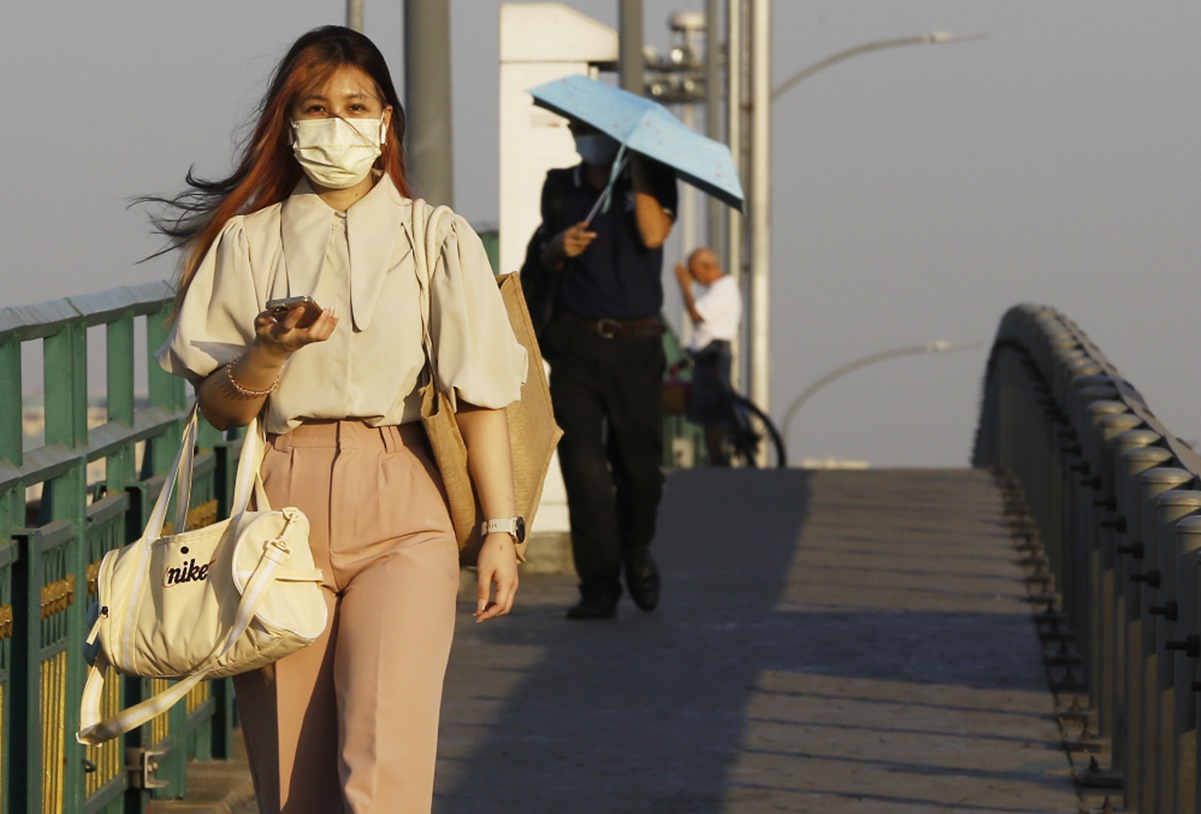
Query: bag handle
(249, 476)
(93, 731)
(247, 480)
(179, 473)
(425, 277)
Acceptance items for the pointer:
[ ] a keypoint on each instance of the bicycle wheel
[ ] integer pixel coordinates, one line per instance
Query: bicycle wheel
(751, 433)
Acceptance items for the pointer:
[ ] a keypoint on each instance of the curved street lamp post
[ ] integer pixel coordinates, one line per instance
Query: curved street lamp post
(760, 327)
(933, 38)
(839, 372)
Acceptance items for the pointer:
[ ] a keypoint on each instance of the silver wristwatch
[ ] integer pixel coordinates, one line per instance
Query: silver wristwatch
(511, 525)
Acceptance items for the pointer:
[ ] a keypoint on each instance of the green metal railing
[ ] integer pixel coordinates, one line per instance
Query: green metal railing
(97, 484)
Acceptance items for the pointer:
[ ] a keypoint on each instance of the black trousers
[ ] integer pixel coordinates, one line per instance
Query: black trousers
(607, 395)
(709, 398)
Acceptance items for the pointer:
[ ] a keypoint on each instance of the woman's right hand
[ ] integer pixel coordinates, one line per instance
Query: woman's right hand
(284, 337)
(234, 393)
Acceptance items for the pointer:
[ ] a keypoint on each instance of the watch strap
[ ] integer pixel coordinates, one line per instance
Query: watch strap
(514, 526)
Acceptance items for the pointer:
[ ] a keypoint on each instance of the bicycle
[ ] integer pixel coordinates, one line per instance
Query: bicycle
(750, 433)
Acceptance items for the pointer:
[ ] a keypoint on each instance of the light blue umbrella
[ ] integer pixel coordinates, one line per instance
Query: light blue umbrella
(648, 128)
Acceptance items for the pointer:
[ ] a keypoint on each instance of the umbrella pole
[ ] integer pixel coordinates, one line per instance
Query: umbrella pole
(602, 201)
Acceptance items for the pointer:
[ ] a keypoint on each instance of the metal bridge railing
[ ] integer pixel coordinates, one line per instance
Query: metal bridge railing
(95, 486)
(1107, 500)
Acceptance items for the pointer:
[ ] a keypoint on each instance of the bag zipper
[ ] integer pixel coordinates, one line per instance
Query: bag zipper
(95, 632)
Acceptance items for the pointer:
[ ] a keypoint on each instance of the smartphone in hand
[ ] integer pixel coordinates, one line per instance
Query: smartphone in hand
(280, 308)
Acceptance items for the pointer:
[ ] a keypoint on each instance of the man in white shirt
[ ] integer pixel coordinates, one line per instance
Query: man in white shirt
(716, 311)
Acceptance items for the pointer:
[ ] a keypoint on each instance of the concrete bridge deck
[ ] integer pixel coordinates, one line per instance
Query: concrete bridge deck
(828, 641)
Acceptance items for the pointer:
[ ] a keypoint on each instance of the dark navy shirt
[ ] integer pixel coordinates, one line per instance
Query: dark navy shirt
(617, 276)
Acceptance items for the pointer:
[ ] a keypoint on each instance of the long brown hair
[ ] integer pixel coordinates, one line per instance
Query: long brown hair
(267, 171)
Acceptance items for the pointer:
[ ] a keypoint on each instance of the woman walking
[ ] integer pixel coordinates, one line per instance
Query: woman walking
(318, 208)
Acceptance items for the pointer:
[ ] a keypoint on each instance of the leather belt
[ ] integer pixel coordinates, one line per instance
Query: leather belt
(615, 328)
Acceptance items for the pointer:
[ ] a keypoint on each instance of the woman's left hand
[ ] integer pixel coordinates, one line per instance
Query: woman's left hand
(497, 565)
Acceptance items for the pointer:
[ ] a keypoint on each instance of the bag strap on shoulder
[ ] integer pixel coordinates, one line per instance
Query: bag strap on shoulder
(424, 233)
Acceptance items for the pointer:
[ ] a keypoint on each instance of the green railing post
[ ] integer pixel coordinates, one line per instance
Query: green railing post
(12, 514)
(8, 556)
(119, 356)
(64, 498)
(165, 391)
(11, 408)
(23, 723)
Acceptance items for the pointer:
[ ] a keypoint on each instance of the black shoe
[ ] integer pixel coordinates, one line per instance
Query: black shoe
(596, 606)
(642, 580)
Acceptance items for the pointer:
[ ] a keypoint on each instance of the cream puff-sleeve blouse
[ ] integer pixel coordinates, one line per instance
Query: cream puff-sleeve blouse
(361, 264)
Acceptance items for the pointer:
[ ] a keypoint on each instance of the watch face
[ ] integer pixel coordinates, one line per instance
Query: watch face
(520, 529)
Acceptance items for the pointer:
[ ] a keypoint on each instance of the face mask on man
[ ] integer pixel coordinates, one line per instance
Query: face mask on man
(337, 153)
(597, 149)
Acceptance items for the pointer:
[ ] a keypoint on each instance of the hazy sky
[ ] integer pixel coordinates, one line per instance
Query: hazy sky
(919, 192)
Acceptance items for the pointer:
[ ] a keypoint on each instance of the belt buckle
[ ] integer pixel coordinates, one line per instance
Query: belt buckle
(605, 327)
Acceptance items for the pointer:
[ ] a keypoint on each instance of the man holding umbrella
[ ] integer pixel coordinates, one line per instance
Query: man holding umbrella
(598, 258)
(602, 233)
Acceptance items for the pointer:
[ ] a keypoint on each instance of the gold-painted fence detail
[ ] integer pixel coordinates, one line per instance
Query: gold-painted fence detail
(198, 517)
(203, 515)
(107, 758)
(54, 731)
(57, 596)
(160, 725)
(199, 694)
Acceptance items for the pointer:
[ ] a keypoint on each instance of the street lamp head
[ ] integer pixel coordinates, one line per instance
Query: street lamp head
(940, 37)
(943, 346)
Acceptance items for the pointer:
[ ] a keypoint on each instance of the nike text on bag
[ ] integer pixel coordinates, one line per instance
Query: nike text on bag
(211, 602)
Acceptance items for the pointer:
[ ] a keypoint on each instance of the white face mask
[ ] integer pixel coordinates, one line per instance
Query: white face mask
(337, 153)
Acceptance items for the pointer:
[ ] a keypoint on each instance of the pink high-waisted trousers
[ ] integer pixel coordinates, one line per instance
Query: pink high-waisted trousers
(350, 723)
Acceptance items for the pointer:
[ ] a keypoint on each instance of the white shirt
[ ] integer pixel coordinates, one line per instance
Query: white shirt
(361, 264)
(720, 307)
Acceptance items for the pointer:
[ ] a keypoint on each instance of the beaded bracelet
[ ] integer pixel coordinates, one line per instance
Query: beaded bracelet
(243, 390)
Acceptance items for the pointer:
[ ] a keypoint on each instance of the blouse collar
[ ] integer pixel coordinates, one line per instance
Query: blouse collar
(305, 224)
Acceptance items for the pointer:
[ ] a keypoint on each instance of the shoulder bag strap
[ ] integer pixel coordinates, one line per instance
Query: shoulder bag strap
(426, 236)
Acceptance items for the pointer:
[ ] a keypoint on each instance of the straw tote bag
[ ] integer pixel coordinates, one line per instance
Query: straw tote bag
(533, 433)
(211, 602)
